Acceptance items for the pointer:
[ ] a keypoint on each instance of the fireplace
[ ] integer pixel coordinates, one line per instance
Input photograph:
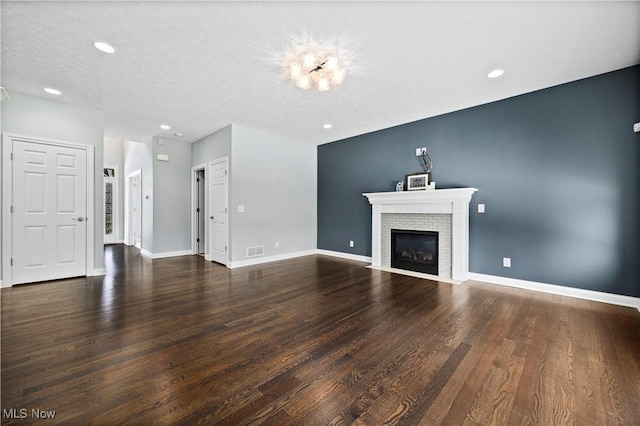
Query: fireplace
(414, 250)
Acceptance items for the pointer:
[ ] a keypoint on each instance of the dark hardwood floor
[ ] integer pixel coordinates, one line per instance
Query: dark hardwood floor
(310, 341)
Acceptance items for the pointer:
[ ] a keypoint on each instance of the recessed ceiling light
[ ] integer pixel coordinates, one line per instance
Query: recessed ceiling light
(178, 134)
(51, 91)
(103, 47)
(495, 73)
(327, 126)
(165, 127)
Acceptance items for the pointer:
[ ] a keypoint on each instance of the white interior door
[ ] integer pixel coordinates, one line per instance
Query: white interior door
(49, 233)
(218, 214)
(135, 209)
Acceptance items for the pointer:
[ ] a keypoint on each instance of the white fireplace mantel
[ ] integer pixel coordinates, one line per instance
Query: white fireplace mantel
(439, 201)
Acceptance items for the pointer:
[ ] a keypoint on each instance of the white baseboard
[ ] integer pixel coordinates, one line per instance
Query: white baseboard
(259, 260)
(579, 293)
(96, 272)
(147, 253)
(344, 255)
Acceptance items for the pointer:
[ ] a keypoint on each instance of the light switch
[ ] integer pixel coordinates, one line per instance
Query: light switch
(241, 208)
(480, 208)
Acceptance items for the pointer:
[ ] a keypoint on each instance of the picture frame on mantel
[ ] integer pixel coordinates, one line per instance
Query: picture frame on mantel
(417, 182)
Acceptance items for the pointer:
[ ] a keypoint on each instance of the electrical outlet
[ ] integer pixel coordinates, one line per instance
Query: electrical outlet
(351, 243)
(241, 208)
(506, 262)
(277, 244)
(480, 208)
(420, 151)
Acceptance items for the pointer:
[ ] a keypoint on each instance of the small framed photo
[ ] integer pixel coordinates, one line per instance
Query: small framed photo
(417, 182)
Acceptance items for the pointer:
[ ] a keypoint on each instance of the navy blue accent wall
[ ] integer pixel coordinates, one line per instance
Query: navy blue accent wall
(558, 170)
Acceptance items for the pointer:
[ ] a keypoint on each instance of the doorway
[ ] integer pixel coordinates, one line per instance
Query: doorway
(47, 217)
(111, 206)
(198, 211)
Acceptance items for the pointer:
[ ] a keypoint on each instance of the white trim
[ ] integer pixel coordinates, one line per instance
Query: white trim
(579, 293)
(416, 274)
(147, 253)
(97, 272)
(7, 193)
(268, 259)
(342, 255)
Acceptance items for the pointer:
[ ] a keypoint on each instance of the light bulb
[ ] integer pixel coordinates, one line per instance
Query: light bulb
(331, 63)
(296, 70)
(323, 84)
(304, 82)
(338, 76)
(309, 60)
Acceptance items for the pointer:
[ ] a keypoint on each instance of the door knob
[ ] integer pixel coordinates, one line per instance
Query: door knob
(210, 217)
(79, 219)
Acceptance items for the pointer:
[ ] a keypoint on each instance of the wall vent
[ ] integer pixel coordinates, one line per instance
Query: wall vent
(255, 251)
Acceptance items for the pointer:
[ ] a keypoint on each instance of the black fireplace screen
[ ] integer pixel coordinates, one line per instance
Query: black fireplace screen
(414, 250)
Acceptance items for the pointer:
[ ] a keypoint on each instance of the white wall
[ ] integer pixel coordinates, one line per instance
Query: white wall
(114, 156)
(275, 178)
(44, 118)
(216, 145)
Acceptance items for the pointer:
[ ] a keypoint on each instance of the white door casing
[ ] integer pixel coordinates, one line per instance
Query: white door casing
(199, 199)
(218, 211)
(47, 210)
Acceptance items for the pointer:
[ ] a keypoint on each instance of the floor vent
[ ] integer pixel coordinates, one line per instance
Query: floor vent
(255, 251)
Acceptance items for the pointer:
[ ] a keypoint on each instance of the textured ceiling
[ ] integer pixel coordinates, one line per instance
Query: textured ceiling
(199, 66)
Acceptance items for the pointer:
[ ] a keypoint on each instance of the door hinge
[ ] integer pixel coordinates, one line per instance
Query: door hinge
(225, 172)
(12, 156)
(11, 209)
(198, 210)
(225, 248)
(225, 209)
(197, 240)
(198, 180)
(11, 262)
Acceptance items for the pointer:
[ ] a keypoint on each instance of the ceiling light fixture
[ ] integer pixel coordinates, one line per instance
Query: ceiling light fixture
(495, 73)
(51, 91)
(178, 134)
(103, 47)
(165, 127)
(314, 64)
(327, 126)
